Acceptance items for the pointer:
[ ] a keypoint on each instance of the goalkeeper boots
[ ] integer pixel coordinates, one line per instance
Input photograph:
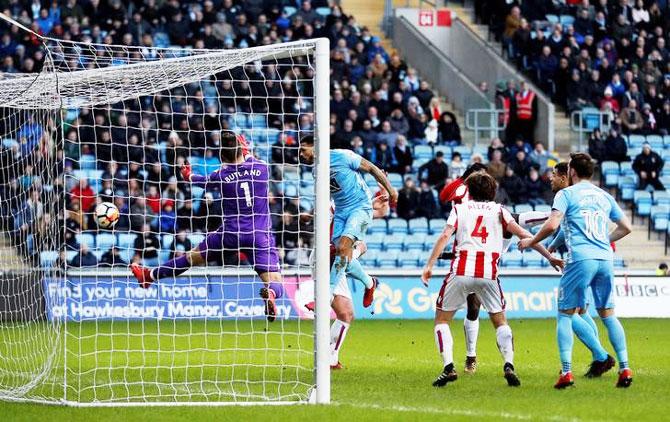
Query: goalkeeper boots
(625, 378)
(448, 375)
(470, 364)
(142, 274)
(510, 375)
(599, 367)
(369, 294)
(268, 296)
(565, 380)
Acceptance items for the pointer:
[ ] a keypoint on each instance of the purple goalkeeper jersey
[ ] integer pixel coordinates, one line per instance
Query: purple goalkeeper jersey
(244, 195)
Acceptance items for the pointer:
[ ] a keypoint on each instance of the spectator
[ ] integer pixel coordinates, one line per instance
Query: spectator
(83, 194)
(436, 171)
(383, 157)
(431, 132)
(608, 99)
(496, 166)
(399, 122)
(450, 132)
(427, 204)
(526, 111)
(457, 166)
(497, 145)
(521, 164)
(408, 199)
(534, 187)
(648, 119)
(513, 186)
(662, 269)
(615, 147)
(542, 157)
(180, 243)
(648, 165)
(403, 156)
(387, 135)
(146, 247)
(112, 258)
(664, 119)
(512, 24)
(631, 119)
(597, 148)
(84, 258)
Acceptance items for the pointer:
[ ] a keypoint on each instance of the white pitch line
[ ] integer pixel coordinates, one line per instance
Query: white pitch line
(455, 412)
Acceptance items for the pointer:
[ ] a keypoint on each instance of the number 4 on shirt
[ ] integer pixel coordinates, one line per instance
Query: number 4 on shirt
(480, 230)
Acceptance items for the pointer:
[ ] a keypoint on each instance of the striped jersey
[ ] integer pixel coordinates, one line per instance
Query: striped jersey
(479, 238)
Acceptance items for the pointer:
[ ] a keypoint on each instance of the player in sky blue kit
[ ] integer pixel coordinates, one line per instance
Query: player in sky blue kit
(243, 182)
(353, 209)
(584, 212)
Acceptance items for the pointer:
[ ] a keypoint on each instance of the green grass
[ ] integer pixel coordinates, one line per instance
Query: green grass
(389, 368)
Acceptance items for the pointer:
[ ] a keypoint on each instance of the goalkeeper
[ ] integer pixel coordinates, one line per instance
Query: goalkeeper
(243, 182)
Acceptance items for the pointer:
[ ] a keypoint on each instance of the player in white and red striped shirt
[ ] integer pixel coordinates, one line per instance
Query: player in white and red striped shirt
(478, 225)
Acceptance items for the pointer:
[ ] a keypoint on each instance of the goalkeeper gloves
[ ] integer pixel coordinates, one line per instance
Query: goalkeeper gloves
(186, 171)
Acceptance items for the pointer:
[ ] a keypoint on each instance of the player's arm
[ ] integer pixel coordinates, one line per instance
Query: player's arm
(440, 244)
(623, 228)
(524, 234)
(550, 226)
(380, 177)
(187, 173)
(558, 241)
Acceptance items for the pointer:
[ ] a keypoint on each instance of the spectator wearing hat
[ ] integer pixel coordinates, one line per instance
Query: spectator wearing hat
(648, 165)
(608, 98)
(648, 119)
(450, 132)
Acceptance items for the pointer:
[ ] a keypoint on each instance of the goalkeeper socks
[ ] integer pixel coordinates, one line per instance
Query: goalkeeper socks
(565, 341)
(471, 329)
(171, 268)
(355, 270)
(586, 316)
(618, 339)
(276, 287)
(444, 343)
(505, 342)
(586, 335)
(338, 332)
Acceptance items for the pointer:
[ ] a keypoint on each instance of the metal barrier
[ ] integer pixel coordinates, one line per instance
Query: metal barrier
(587, 120)
(437, 68)
(485, 120)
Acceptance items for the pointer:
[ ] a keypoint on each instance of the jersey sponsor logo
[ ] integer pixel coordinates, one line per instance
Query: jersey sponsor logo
(334, 186)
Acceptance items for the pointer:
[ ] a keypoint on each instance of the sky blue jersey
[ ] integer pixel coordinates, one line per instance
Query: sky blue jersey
(347, 187)
(587, 211)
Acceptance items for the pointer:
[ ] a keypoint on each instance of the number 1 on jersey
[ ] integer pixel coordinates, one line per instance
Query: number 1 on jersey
(247, 193)
(480, 230)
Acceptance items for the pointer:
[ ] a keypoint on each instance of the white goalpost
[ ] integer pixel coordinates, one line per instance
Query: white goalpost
(111, 123)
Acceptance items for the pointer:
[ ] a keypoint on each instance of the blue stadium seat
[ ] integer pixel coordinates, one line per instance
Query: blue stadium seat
(532, 258)
(464, 150)
(105, 241)
(513, 244)
(257, 121)
(196, 238)
(87, 162)
(658, 217)
(370, 181)
(307, 204)
(290, 10)
(393, 243)
(655, 141)
(446, 150)
(414, 242)
(369, 259)
(429, 241)
(543, 208)
(566, 20)
(423, 151)
(396, 180)
(323, 11)
(590, 118)
(512, 259)
(610, 171)
(666, 141)
(166, 241)
(239, 120)
(665, 180)
(553, 19)
(410, 259)
(397, 226)
(86, 238)
(418, 162)
(388, 259)
(378, 226)
(418, 225)
(126, 240)
(436, 225)
(643, 201)
(661, 197)
(626, 169)
(290, 189)
(48, 258)
(519, 208)
(665, 171)
(636, 141)
(375, 240)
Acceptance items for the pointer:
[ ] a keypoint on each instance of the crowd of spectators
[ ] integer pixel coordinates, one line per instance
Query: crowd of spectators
(610, 55)
(380, 108)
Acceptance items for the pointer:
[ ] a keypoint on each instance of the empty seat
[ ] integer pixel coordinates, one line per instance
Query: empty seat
(532, 258)
(396, 180)
(661, 197)
(378, 226)
(393, 243)
(388, 259)
(610, 172)
(414, 242)
(104, 241)
(543, 208)
(429, 241)
(655, 141)
(409, 259)
(397, 226)
(464, 150)
(196, 238)
(418, 225)
(445, 149)
(369, 258)
(48, 258)
(126, 240)
(167, 240)
(520, 208)
(437, 225)
(375, 240)
(423, 151)
(636, 141)
(85, 238)
(512, 259)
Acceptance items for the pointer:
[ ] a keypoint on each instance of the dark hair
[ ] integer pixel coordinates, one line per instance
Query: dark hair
(307, 139)
(481, 187)
(663, 266)
(582, 163)
(230, 147)
(561, 168)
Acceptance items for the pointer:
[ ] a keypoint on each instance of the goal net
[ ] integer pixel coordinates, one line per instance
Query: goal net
(107, 123)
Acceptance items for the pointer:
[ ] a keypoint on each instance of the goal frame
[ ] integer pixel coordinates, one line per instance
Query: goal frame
(320, 393)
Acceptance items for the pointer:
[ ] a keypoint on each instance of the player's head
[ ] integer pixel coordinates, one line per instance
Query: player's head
(580, 167)
(559, 177)
(481, 187)
(307, 149)
(230, 150)
(474, 168)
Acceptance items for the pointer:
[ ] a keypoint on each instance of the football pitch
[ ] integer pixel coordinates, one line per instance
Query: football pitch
(389, 366)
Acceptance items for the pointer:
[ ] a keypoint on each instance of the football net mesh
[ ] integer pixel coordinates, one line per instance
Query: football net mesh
(103, 123)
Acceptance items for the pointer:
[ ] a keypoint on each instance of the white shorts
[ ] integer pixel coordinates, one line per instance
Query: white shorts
(342, 287)
(455, 290)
